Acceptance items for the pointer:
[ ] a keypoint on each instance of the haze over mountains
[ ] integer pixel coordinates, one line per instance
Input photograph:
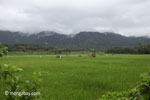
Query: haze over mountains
(82, 40)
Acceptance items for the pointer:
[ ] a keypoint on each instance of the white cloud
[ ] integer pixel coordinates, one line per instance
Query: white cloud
(128, 17)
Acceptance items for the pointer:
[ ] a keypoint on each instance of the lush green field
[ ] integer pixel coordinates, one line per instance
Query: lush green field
(81, 78)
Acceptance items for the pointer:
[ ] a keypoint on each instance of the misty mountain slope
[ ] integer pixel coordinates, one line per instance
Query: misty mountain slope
(51, 39)
(82, 40)
(105, 40)
(95, 39)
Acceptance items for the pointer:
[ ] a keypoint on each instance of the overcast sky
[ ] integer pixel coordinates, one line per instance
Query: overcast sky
(127, 17)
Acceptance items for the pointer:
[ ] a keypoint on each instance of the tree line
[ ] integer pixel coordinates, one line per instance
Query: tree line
(36, 48)
(139, 49)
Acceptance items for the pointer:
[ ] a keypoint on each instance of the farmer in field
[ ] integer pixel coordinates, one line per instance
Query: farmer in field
(60, 57)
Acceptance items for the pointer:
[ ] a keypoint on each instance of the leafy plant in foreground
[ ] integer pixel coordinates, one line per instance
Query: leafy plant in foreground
(17, 89)
(141, 92)
(3, 50)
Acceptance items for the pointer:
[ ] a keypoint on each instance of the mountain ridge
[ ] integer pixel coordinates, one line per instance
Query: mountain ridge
(81, 40)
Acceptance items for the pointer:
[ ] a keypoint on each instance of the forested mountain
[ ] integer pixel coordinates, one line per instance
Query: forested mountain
(82, 40)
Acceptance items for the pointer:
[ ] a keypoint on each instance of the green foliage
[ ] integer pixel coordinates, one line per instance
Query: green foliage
(143, 48)
(139, 49)
(3, 50)
(32, 87)
(36, 48)
(16, 88)
(28, 48)
(141, 92)
(10, 75)
(121, 50)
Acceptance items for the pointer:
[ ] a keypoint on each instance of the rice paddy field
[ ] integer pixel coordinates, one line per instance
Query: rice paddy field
(81, 77)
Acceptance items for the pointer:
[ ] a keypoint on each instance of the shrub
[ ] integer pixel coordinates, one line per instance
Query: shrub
(3, 50)
(15, 88)
(141, 92)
